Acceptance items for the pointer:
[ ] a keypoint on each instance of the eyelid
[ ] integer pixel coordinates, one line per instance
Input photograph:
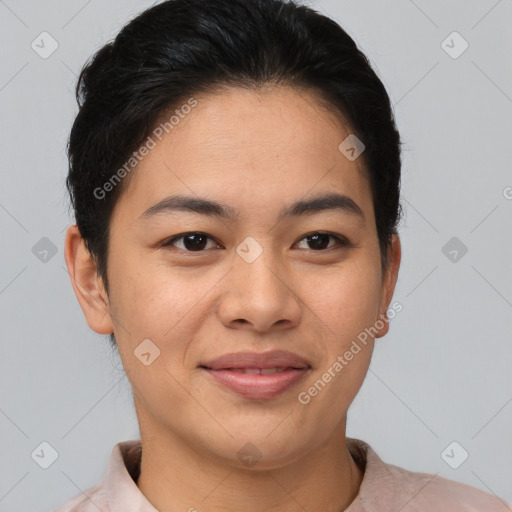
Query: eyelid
(168, 241)
(342, 240)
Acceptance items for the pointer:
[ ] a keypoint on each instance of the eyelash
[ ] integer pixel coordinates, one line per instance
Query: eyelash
(342, 241)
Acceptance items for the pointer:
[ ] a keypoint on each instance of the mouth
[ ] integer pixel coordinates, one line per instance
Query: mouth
(255, 375)
(255, 371)
(271, 360)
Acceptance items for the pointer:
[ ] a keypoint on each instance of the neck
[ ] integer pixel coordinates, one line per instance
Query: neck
(176, 477)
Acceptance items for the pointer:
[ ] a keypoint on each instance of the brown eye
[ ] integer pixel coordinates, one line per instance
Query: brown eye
(192, 242)
(320, 241)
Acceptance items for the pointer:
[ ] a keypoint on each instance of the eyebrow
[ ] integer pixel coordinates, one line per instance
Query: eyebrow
(325, 202)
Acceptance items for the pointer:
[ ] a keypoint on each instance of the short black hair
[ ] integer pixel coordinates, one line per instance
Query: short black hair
(180, 48)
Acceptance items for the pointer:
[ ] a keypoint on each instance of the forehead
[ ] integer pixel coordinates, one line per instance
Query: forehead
(249, 147)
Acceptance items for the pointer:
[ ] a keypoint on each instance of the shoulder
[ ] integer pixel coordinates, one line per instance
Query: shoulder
(118, 483)
(425, 491)
(91, 500)
(387, 487)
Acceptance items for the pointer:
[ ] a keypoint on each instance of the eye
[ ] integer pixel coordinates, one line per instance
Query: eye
(192, 242)
(320, 240)
(197, 241)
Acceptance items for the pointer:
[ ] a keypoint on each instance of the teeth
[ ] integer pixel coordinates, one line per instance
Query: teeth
(251, 371)
(266, 371)
(258, 371)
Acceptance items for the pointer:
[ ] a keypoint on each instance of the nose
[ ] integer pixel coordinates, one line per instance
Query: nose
(259, 296)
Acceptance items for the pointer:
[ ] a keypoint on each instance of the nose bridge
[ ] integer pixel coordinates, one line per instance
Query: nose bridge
(257, 292)
(259, 269)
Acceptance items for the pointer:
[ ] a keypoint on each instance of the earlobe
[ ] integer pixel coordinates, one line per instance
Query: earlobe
(88, 286)
(394, 255)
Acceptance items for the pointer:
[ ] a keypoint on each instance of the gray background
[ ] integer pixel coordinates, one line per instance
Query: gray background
(442, 374)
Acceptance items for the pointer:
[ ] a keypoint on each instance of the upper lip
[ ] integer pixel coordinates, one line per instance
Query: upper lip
(270, 359)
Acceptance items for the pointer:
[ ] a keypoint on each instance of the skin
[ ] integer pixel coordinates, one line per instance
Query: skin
(256, 152)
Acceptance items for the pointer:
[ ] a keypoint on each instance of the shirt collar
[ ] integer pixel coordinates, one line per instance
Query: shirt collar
(378, 491)
(376, 494)
(121, 490)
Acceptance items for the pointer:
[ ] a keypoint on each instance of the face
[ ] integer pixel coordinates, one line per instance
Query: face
(262, 277)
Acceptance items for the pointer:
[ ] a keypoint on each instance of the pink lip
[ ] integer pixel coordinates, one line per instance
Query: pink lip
(257, 386)
(270, 359)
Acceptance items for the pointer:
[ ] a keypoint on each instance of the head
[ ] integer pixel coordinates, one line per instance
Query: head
(269, 123)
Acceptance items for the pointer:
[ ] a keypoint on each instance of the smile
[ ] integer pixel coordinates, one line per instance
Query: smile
(257, 383)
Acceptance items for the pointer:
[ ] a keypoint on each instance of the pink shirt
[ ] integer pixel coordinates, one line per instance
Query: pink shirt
(385, 488)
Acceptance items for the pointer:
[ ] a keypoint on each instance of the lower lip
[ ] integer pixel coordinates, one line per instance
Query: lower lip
(258, 386)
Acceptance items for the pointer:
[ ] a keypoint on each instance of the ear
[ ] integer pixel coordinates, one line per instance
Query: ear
(394, 255)
(88, 286)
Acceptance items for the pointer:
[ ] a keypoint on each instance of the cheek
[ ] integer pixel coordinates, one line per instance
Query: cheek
(155, 307)
(347, 307)
(150, 300)
(347, 299)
